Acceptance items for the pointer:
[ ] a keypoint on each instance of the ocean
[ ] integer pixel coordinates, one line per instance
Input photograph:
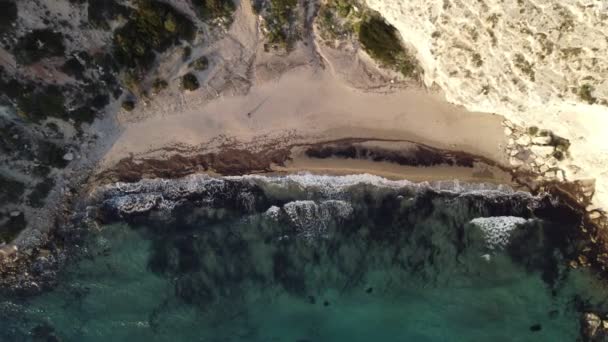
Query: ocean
(314, 258)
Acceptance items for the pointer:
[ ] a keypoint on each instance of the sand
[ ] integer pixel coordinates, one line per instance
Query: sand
(313, 105)
(315, 94)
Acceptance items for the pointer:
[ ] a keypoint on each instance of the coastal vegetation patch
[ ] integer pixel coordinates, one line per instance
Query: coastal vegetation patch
(8, 15)
(339, 19)
(280, 22)
(190, 82)
(215, 9)
(39, 44)
(101, 13)
(381, 40)
(585, 93)
(154, 27)
(200, 64)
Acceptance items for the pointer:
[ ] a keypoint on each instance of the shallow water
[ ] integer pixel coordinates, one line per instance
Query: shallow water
(367, 263)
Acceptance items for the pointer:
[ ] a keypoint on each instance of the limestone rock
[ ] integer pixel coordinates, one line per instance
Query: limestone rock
(524, 140)
(541, 140)
(542, 151)
(516, 162)
(508, 131)
(68, 156)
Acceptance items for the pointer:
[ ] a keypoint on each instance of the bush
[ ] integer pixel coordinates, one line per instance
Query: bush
(37, 45)
(158, 85)
(190, 82)
(585, 93)
(102, 11)
(200, 64)
(213, 9)
(8, 15)
(155, 27)
(43, 102)
(73, 68)
(382, 42)
(128, 105)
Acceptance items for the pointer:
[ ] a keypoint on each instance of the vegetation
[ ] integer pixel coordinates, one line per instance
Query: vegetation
(154, 27)
(585, 93)
(37, 45)
(102, 12)
(39, 103)
(8, 14)
(74, 68)
(382, 42)
(159, 85)
(190, 82)
(51, 154)
(10, 227)
(128, 105)
(40, 192)
(526, 67)
(477, 60)
(280, 19)
(187, 53)
(337, 18)
(200, 64)
(213, 9)
(11, 190)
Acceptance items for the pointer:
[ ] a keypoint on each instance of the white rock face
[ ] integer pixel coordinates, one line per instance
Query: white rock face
(526, 60)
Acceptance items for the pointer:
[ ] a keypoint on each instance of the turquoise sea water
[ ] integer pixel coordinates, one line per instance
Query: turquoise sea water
(372, 266)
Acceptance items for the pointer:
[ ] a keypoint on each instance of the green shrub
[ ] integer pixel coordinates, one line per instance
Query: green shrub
(41, 103)
(40, 192)
(11, 227)
(187, 53)
(190, 82)
(213, 9)
(73, 68)
(200, 64)
(37, 45)
(11, 190)
(155, 26)
(100, 12)
(382, 42)
(8, 15)
(533, 130)
(158, 85)
(585, 93)
(128, 105)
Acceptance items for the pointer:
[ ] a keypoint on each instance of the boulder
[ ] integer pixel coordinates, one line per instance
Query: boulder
(541, 140)
(593, 328)
(524, 140)
(68, 156)
(516, 162)
(542, 151)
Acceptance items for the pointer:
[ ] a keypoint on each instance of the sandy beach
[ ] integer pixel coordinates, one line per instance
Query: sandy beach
(304, 105)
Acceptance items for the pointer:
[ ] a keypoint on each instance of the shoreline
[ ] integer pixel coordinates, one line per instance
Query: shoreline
(319, 96)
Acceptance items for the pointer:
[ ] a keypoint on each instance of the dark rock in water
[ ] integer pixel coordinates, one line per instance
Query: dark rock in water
(369, 290)
(536, 327)
(325, 303)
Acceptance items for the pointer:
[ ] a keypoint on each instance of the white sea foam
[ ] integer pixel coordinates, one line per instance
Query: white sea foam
(312, 219)
(497, 229)
(164, 194)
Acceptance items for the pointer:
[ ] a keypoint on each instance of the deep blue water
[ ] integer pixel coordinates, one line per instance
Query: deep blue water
(370, 266)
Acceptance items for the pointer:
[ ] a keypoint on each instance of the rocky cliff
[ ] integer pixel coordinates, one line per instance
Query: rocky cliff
(539, 63)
